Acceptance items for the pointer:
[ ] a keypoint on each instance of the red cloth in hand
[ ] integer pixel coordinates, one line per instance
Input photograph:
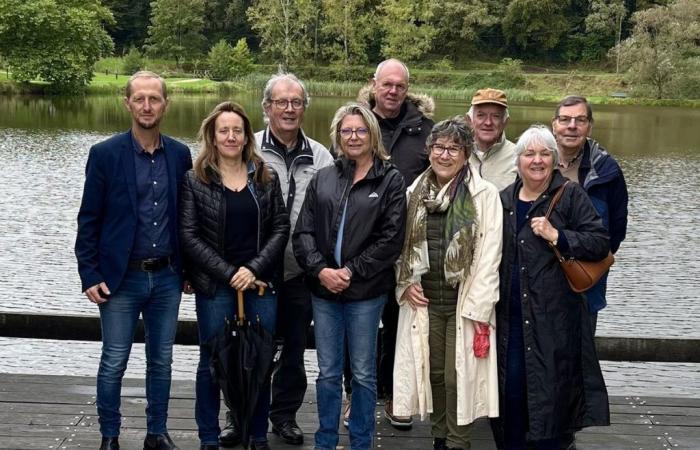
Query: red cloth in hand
(481, 341)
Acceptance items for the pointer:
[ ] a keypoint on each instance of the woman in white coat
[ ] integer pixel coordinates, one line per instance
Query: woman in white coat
(447, 286)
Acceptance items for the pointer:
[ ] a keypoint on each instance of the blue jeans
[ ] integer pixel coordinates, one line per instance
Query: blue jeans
(211, 314)
(156, 295)
(359, 321)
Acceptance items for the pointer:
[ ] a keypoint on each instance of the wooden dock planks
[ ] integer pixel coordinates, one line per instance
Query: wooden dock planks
(58, 412)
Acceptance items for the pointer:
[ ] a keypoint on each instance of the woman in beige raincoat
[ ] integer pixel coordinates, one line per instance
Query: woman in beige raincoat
(447, 286)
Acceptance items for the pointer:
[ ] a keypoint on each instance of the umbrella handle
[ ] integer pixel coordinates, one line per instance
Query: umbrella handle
(241, 307)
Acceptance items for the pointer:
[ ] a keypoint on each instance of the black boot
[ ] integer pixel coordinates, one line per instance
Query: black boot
(439, 443)
(230, 436)
(109, 443)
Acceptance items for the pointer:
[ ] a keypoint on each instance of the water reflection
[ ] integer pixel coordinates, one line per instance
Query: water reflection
(654, 286)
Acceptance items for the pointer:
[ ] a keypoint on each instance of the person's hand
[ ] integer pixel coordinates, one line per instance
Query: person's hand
(542, 228)
(187, 287)
(243, 279)
(98, 293)
(413, 295)
(335, 280)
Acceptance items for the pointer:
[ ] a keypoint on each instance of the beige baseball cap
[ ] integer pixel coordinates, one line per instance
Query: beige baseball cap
(489, 95)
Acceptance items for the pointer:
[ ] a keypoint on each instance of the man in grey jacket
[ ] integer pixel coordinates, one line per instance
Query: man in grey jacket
(492, 155)
(296, 158)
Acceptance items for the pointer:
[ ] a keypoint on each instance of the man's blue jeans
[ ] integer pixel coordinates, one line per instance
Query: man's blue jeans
(212, 312)
(333, 322)
(156, 295)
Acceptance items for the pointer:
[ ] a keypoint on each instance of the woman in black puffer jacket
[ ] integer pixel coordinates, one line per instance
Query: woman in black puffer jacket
(233, 229)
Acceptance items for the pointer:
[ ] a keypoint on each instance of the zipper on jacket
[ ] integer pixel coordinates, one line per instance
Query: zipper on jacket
(222, 219)
(336, 224)
(255, 199)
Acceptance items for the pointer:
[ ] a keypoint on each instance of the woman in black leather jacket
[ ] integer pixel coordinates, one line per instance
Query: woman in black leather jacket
(348, 235)
(233, 229)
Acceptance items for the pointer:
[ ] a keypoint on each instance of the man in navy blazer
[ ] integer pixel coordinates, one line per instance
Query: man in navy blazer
(128, 254)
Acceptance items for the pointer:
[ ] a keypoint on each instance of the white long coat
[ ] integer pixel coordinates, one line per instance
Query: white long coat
(477, 378)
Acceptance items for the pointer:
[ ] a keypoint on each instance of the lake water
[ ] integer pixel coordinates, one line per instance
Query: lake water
(654, 287)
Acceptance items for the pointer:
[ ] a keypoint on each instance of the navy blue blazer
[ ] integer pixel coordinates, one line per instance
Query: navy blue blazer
(108, 212)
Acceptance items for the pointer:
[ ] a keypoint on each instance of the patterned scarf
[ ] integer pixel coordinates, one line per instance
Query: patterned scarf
(460, 230)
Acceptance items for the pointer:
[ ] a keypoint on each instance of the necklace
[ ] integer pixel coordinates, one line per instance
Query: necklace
(235, 179)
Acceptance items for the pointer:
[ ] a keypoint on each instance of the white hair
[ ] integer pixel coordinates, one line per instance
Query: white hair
(381, 65)
(274, 79)
(470, 113)
(536, 134)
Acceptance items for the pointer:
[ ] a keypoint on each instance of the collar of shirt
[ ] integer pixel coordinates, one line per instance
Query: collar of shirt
(565, 165)
(140, 150)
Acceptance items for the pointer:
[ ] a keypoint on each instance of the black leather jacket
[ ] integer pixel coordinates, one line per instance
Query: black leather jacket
(203, 224)
(375, 224)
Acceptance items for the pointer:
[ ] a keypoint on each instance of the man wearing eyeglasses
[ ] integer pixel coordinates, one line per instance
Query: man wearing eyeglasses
(404, 119)
(492, 155)
(295, 157)
(584, 161)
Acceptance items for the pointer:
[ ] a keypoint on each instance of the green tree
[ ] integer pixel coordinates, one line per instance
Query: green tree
(242, 59)
(604, 26)
(535, 26)
(408, 32)
(346, 27)
(133, 62)
(458, 24)
(220, 61)
(284, 28)
(663, 53)
(130, 26)
(226, 19)
(58, 41)
(176, 29)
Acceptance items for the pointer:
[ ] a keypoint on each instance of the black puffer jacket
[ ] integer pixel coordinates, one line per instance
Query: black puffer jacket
(565, 387)
(375, 224)
(203, 224)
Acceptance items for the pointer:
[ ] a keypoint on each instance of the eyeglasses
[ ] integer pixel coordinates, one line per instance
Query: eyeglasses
(579, 120)
(346, 133)
(400, 88)
(452, 151)
(296, 103)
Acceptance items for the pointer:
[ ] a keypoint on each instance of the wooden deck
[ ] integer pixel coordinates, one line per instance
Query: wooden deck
(58, 412)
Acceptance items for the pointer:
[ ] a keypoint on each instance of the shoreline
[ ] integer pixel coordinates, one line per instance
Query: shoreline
(532, 93)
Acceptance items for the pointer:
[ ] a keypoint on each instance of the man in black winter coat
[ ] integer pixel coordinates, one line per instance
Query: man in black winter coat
(404, 119)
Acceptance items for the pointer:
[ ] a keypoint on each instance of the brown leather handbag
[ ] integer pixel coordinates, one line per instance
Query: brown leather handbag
(581, 275)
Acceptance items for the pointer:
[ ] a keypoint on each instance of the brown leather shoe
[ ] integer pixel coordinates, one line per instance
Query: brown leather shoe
(400, 422)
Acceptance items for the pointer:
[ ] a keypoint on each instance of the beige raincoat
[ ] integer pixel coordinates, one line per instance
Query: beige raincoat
(477, 379)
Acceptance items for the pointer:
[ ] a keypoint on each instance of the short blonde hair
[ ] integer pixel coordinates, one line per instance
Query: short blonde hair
(375, 133)
(146, 74)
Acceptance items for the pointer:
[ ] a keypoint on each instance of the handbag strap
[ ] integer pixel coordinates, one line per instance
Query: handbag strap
(552, 204)
(555, 199)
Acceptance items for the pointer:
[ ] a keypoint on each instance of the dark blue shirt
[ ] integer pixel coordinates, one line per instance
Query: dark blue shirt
(152, 233)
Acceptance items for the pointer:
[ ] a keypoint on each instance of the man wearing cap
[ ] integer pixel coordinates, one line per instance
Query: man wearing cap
(493, 153)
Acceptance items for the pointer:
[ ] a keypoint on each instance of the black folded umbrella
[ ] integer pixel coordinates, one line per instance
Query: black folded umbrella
(242, 358)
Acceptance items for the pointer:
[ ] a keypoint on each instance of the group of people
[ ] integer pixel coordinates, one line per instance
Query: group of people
(436, 231)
